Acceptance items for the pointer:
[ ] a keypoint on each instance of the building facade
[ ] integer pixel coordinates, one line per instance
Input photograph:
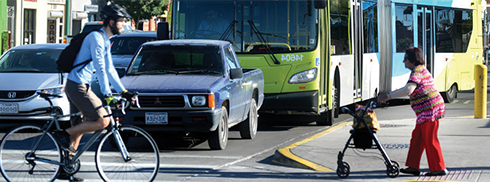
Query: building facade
(44, 21)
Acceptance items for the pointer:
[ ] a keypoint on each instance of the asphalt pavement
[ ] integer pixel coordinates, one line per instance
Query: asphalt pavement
(464, 143)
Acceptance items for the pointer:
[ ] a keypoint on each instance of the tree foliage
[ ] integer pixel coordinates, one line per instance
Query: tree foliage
(142, 9)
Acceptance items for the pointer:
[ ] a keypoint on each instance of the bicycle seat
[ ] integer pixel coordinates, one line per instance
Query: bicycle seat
(45, 95)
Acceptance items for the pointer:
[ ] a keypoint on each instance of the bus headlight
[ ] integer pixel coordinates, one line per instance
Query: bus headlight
(303, 77)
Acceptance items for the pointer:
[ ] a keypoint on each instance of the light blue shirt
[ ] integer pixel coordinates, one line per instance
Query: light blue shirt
(98, 47)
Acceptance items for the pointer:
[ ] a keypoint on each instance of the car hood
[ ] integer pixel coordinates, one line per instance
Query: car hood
(29, 81)
(169, 83)
(121, 60)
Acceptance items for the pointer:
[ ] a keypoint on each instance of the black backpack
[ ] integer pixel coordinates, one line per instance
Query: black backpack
(69, 54)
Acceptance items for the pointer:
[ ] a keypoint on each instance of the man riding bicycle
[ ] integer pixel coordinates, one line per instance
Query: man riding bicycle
(96, 45)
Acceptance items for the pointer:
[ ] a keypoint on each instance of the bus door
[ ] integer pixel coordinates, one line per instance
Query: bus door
(357, 47)
(425, 35)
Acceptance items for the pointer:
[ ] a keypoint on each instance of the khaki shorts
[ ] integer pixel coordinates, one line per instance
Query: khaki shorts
(83, 99)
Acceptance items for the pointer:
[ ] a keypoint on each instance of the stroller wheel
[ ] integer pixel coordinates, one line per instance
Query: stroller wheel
(394, 170)
(343, 170)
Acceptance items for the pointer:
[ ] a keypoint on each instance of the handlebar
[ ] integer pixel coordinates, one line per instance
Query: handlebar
(125, 103)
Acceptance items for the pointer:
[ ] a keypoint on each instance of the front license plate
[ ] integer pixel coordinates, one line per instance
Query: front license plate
(153, 118)
(10, 108)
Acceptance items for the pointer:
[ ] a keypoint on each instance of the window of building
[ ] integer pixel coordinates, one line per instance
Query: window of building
(29, 26)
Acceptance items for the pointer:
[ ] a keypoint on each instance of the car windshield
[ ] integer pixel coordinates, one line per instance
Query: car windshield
(177, 59)
(128, 45)
(251, 26)
(35, 60)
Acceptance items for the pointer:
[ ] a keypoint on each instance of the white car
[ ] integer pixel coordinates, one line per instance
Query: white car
(26, 70)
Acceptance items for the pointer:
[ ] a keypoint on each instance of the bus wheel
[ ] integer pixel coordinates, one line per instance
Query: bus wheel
(451, 94)
(326, 119)
(336, 100)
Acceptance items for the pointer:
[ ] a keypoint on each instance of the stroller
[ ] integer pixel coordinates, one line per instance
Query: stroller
(363, 138)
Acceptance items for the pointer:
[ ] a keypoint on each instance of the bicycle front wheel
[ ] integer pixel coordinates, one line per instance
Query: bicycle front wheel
(15, 162)
(144, 156)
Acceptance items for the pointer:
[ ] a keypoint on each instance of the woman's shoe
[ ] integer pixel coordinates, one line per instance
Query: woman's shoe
(437, 173)
(410, 170)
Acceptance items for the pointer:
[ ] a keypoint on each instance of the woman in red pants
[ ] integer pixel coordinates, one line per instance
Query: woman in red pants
(429, 106)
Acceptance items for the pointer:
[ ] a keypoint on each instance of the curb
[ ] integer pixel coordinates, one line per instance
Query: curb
(285, 157)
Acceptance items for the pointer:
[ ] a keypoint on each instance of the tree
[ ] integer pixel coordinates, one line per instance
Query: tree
(142, 9)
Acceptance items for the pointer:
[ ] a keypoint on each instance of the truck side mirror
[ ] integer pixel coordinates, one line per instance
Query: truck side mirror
(320, 4)
(162, 32)
(236, 73)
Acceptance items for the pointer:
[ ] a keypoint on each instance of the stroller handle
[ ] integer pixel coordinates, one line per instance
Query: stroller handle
(346, 110)
(369, 105)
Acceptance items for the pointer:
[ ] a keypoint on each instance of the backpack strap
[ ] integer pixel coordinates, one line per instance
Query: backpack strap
(89, 60)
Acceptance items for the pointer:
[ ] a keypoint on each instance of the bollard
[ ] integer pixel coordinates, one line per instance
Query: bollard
(480, 91)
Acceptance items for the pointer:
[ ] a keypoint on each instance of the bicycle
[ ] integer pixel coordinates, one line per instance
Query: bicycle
(31, 153)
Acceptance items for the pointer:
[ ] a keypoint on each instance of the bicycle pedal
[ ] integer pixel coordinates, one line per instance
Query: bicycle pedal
(70, 149)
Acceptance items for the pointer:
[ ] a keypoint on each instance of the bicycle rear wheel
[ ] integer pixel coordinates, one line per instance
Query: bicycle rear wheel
(144, 156)
(16, 146)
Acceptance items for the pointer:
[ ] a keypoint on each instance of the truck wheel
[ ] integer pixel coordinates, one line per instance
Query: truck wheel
(248, 128)
(218, 139)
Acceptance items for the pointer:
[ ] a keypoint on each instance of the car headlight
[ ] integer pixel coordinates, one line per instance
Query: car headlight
(303, 77)
(53, 91)
(198, 100)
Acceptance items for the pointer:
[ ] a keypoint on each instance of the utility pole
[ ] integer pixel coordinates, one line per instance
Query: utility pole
(67, 22)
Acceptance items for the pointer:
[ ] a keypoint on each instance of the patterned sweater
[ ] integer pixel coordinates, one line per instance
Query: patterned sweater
(425, 100)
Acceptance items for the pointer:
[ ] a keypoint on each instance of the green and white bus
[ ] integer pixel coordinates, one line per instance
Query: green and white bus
(318, 55)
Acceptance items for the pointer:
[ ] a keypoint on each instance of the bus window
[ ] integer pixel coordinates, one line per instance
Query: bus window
(339, 24)
(286, 26)
(453, 30)
(370, 14)
(404, 27)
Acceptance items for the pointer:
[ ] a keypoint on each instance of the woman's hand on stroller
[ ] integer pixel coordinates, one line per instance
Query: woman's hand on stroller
(383, 98)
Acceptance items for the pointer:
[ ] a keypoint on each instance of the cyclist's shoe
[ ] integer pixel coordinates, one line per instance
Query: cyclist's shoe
(63, 138)
(66, 176)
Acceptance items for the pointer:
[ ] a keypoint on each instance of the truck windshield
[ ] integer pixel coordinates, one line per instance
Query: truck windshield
(177, 59)
(286, 25)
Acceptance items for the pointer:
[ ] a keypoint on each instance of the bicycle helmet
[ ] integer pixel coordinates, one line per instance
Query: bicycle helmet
(113, 11)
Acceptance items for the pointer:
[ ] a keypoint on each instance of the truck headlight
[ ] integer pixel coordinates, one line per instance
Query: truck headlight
(198, 100)
(303, 77)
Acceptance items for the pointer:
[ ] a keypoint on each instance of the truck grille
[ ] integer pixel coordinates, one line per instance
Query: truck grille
(16, 94)
(162, 101)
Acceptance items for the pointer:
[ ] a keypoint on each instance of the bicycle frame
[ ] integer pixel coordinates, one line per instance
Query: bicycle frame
(113, 124)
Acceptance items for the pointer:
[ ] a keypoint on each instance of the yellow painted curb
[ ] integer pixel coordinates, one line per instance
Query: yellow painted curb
(284, 155)
(432, 181)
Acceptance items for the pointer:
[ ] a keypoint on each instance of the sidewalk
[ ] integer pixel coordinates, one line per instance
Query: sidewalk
(464, 142)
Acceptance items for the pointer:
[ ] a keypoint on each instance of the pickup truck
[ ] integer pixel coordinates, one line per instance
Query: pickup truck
(193, 86)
